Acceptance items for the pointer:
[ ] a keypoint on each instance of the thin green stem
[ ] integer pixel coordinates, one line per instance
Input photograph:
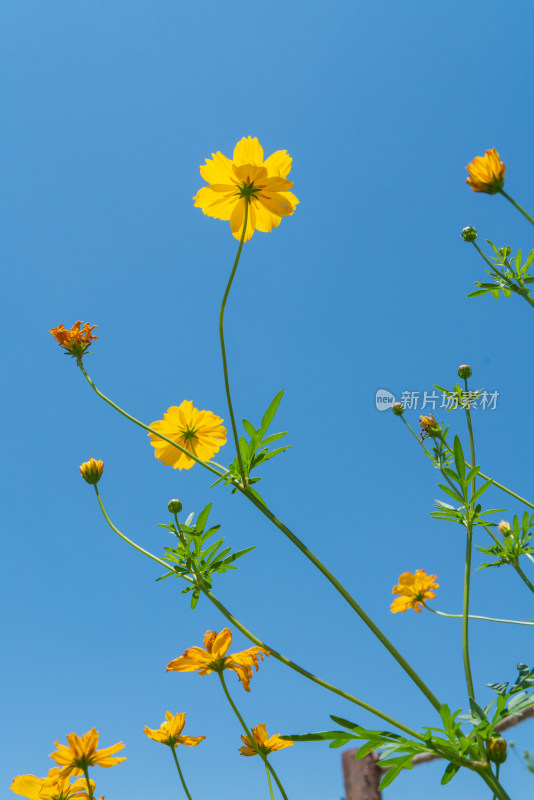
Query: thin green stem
(523, 576)
(255, 640)
(467, 570)
(186, 790)
(269, 781)
(489, 778)
(347, 596)
(88, 782)
(476, 616)
(513, 202)
(513, 564)
(520, 289)
(250, 737)
(223, 348)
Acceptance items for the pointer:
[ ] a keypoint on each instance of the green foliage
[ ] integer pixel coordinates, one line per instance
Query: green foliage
(439, 454)
(512, 547)
(196, 558)
(458, 397)
(255, 450)
(508, 275)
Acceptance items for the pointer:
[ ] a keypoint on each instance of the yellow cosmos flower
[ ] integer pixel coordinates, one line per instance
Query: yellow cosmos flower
(77, 340)
(214, 658)
(267, 744)
(247, 180)
(486, 173)
(200, 432)
(54, 787)
(169, 732)
(91, 471)
(81, 753)
(413, 591)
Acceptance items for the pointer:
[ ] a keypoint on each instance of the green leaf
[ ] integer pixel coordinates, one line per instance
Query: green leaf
(389, 777)
(451, 492)
(530, 259)
(481, 491)
(478, 293)
(237, 555)
(250, 429)
(272, 438)
(320, 736)
(269, 414)
(189, 519)
(459, 459)
(449, 773)
(495, 293)
(202, 519)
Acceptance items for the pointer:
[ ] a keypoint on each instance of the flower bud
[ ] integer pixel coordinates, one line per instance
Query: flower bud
(429, 426)
(504, 528)
(496, 749)
(465, 371)
(174, 506)
(397, 408)
(469, 234)
(91, 471)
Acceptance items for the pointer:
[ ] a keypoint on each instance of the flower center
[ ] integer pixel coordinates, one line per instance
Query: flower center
(248, 190)
(189, 434)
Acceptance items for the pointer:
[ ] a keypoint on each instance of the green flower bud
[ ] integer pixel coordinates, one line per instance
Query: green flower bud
(504, 528)
(469, 234)
(496, 749)
(397, 408)
(174, 506)
(465, 371)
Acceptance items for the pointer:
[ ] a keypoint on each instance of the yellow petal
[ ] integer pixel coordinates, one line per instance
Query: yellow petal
(27, 785)
(214, 204)
(218, 170)
(279, 163)
(237, 219)
(191, 741)
(276, 203)
(248, 151)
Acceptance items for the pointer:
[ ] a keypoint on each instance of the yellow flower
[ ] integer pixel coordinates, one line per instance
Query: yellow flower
(77, 340)
(91, 471)
(214, 658)
(54, 787)
(169, 732)
(261, 737)
(247, 179)
(81, 753)
(429, 426)
(413, 591)
(200, 432)
(486, 173)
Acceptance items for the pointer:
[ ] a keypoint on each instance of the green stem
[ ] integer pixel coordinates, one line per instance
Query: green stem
(88, 782)
(513, 202)
(518, 289)
(523, 576)
(223, 349)
(205, 464)
(180, 773)
(250, 737)
(347, 596)
(476, 616)
(269, 782)
(255, 640)
(467, 570)
(489, 778)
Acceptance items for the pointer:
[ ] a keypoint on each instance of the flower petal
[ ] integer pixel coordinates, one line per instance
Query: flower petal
(218, 170)
(215, 204)
(248, 151)
(279, 163)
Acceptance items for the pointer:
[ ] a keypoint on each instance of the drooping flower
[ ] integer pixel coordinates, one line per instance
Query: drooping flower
(265, 743)
(486, 173)
(199, 432)
(214, 659)
(413, 591)
(429, 426)
(247, 180)
(169, 732)
(91, 471)
(54, 787)
(81, 752)
(77, 340)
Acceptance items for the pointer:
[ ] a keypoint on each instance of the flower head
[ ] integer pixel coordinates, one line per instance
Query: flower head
(199, 432)
(429, 426)
(81, 753)
(504, 527)
(212, 658)
(169, 732)
(77, 340)
(54, 787)
(91, 471)
(247, 180)
(413, 591)
(486, 173)
(265, 743)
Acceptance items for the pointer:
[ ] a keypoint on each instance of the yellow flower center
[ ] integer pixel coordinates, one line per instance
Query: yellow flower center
(209, 638)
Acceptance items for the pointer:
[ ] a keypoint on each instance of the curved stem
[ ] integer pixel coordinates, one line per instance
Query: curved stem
(283, 659)
(476, 616)
(489, 778)
(348, 597)
(223, 349)
(513, 202)
(250, 737)
(180, 773)
(523, 576)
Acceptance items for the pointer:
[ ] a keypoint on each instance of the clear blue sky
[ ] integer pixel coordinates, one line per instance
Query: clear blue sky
(110, 108)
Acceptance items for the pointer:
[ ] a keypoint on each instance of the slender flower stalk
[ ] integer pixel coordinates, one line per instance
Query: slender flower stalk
(269, 781)
(223, 348)
(283, 659)
(467, 571)
(477, 616)
(519, 208)
(88, 782)
(175, 757)
(258, 749)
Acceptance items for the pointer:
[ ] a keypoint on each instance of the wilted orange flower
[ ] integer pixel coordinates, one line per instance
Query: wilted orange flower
(429, 426)
(214, 658)
(266, 744)
(91, 471)
(486, 173)
(77, 340)
(200, 432)
(169, 732)
(81, 752)
(414, 590)
(53, 787)
(247, 180)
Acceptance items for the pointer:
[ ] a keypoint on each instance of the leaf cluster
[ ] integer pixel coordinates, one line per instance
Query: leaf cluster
(513, 546)
(195, 558)
(439, 454)
(458, 397)
(509, 701)
(507, 275)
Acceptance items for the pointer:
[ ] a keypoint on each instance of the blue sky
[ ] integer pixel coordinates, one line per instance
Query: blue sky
(111, 109)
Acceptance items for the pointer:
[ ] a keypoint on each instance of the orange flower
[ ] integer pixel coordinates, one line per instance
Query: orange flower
(169, 732)
(52, 787)
(413, 591)
(81, 753)
(91, 471)
(214, 658)
(265, 743)
(486, 173)
(77, 340)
